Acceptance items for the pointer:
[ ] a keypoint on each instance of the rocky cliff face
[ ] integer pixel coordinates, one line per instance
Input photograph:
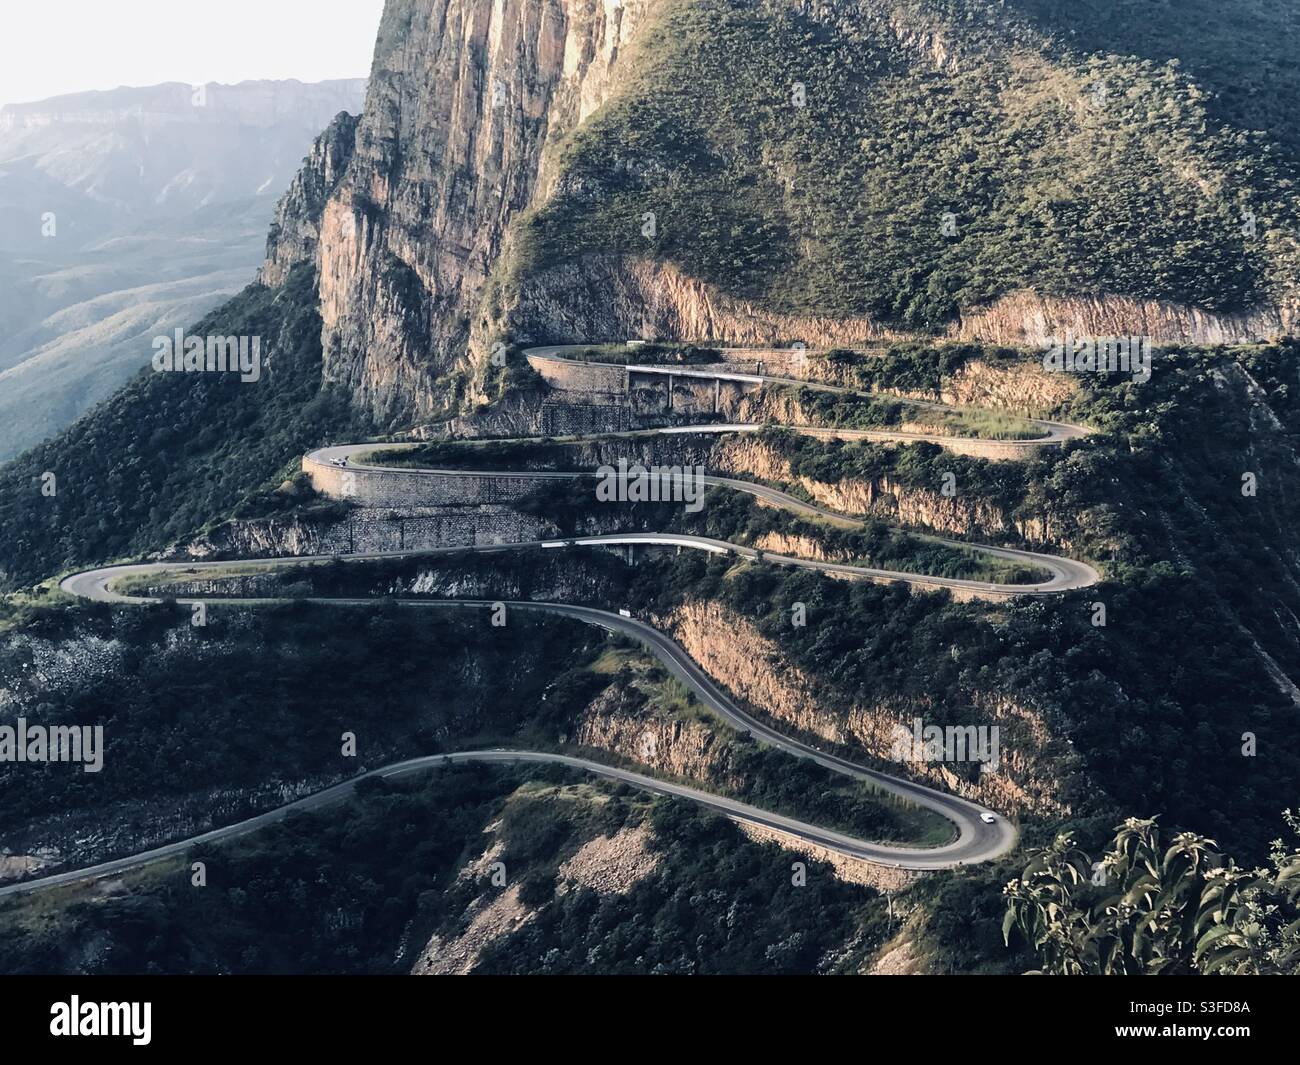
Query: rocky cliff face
(467, 101)
(365, 529)
(1022, 389)
(1030, 318)
(295, 232)
(687, 749)
(468, 108)
(611, 297)
(1027, 778)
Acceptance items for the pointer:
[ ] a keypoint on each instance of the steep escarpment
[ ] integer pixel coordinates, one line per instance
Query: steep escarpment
(465, 100)
(542, 172)
(295, 231)
(613, 295)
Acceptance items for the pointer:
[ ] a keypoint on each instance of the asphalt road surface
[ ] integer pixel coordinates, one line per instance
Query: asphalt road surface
(1065, 574)
(1053, 433)
(974, 839)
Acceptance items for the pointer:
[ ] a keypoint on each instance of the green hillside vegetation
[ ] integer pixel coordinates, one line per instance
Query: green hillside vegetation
(837, 207)
(256, 698)
(835, 411)
(283, 684)
(741, 519)
(171, 452)
(306, 896)
(1157, 702)
(936, 160)
(738, 518)
(1200, 577)
(1242, 53)
(710, 906)
(1149, 907)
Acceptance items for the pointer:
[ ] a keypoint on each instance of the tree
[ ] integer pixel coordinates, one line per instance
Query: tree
(1148, 910)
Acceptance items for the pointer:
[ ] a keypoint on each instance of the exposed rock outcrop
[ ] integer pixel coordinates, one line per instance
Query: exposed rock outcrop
(366, 529)
(1030, 318)
(295, 231)
(614, 297)
(465, 100)
(611, 865)
(754, 668)
(490, 917)
(411, 215)
(880, 497)
(689, 750)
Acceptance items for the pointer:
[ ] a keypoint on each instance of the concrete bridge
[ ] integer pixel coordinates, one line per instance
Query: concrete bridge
(672, 374)
(697, 388)
(688, 392)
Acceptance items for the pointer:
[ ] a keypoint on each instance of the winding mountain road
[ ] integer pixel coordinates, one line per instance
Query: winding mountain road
(1053, 433)
(978, 835)
(838, 842)
(974, 840)
(1065, 574)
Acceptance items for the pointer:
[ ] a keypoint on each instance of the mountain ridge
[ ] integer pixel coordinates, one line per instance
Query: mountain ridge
(126, 214)
(527, 225)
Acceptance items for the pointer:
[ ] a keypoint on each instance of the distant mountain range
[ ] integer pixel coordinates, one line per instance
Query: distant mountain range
(126, 213)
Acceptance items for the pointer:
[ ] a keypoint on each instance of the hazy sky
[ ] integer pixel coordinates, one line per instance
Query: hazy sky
(50, 47)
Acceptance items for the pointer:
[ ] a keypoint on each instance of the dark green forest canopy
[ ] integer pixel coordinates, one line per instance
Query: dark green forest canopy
(308, 896)
(1242, 52)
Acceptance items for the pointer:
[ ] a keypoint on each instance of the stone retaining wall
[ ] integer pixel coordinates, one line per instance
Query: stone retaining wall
(366, 530)
(414, 488)
(573, 375)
